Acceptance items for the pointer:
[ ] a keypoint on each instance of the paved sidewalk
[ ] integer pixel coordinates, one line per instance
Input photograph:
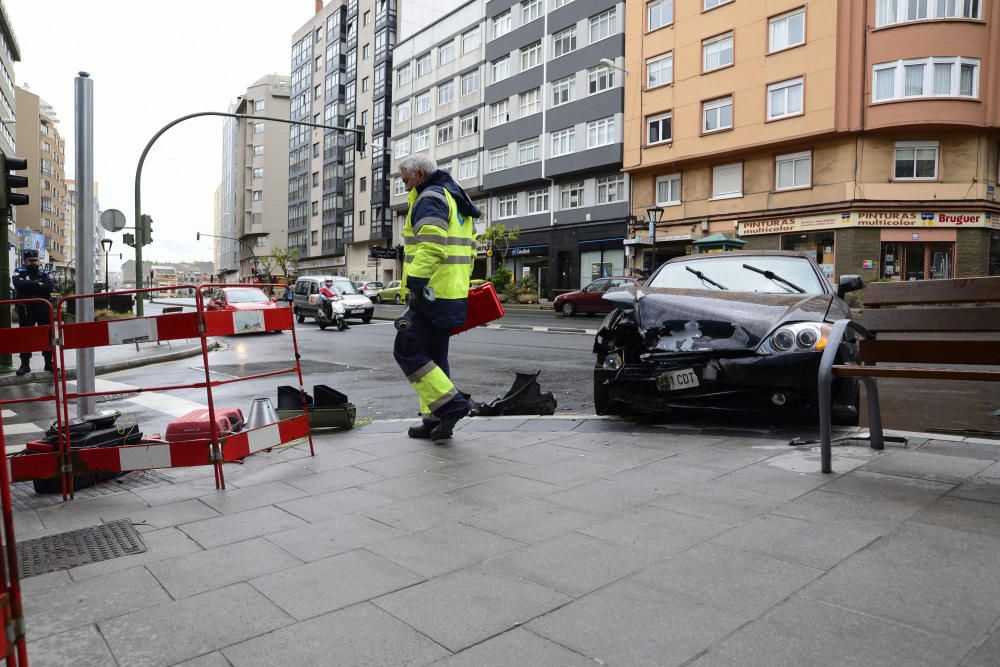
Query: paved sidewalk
(542, 541)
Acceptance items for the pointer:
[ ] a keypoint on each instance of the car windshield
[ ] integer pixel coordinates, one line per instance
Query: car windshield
(246, 295)
(343, 287)
(729, 271)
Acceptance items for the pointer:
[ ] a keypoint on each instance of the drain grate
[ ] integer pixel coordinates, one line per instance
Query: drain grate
(24, 498)
(309, 367)
(79, 547)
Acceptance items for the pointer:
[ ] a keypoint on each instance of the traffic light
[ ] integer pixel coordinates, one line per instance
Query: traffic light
(359, 140)
(10, 181)
(145, 231)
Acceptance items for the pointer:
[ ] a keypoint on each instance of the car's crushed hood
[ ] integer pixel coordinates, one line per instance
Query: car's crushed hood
(686, 320)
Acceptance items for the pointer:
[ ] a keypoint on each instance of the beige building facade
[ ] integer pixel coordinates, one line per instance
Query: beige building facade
(865, 133)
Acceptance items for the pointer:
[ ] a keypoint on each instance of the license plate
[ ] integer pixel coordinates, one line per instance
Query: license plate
(348, 311)
(684, 378)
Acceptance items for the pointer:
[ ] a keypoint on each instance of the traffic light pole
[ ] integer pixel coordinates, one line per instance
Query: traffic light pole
(6, 360)
(140, 236)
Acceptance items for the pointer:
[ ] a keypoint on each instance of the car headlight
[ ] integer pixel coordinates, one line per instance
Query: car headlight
(796, 337)
(612, 362)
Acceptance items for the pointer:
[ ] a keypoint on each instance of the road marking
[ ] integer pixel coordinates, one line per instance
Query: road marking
(21, 429)
(538, 329)
(6, 414)
(158, 401)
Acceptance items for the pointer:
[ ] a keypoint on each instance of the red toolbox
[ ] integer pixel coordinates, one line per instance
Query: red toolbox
(196, 425)
(483, 307)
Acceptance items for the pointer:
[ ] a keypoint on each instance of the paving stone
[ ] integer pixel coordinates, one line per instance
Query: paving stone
(334, 480)
(468, 606)
(814, 545)
(328, 460)
(502, 491)
(493, 425)
(165, 516)
(923, 576)
(877, 486)
(568, 472)
(331, 583)
(189, 628)
(276, 472)
(983, 489)
(424, 513)
(819, 506)
(574, 564)
(402, 464)
(531, 521)
(334, 504)
(190, 574)
(993, 472)
(26, 522)
(333, 536)
(395, 426)
(81, 603)
(240, 526)
(213, 659)
(542, 453)
(549, 425)
(517, 648)
(81, 513)
(82, 647)
(934, 467)
(164, 494)
(358, 635)
(413, 486)
(654, 531)
(440, 550)
(482, 469)
(771, 479)
(665, 476)
(44, 582)
(989, 451)
(602, 497)
(637, 626)
(233, 500)
(718, 503)
(804, 632)
(160, 545)
(987, 654)
(962, 514)
(722, 456)
(727, 578)
(393, 444)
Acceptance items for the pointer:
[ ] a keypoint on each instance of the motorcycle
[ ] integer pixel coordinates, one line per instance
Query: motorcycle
(331, 311)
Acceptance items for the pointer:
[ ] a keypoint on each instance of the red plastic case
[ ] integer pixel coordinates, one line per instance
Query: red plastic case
(195, 425)
(483, 307)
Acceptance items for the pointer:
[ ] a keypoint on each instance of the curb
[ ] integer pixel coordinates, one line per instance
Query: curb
(519, 327)
(111, 367)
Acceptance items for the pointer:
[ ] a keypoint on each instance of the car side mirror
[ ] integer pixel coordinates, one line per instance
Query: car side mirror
(849, 284)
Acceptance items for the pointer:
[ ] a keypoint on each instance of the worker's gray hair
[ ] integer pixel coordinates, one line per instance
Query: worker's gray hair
(414, 163)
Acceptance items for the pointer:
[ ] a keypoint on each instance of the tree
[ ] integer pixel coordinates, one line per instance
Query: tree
(286, 260)
(499, 236)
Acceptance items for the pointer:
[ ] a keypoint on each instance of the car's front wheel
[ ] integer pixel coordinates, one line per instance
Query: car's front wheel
(367, 318)
(568, 309)
(299, 316)
(398, 300)
(378, 299)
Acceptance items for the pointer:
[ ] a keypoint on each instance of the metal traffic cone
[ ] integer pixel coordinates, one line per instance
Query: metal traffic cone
(262, 413)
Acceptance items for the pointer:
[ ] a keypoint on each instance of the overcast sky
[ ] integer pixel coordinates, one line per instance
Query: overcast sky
(151, 63)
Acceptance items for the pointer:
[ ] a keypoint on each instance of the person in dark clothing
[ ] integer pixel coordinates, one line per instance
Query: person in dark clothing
(30, 281)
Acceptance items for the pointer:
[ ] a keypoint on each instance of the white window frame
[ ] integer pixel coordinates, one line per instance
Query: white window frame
(716, 105)
(498, 159)
(717, 46)
(538, 201)
(598, 75)
(471, 40)
(446, 53)
(777, 26)
(529, 151)
(501, 24)
(403, 75)
(464, 172)
(658, 119)
(446, 93)
(464, 124)
(734, 194)
(712, 4)
(915, 146)
(401, 148)
(257, 150)
(531, 10)
(530, 102)
(893, 12)
(566, 191)
(787, 87)
(660, 64)
(898, 69)
(448, 130)
(604, 189)
(474, 77)
(506, 207)
(531, 56)
(602, 25)
(556, 4)
(398, 189)
(563, 142)
(653, 12)
(794, 159)
(601, 132)
(403, 111)
(421, 140)
(499, 113)
(423, 65)
(258, 128)
(500, 68)
(423, 100)
(673, 183)
(563, 88)
(561, 40)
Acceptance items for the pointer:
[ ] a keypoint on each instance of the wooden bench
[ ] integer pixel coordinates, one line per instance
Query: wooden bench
(905, 325)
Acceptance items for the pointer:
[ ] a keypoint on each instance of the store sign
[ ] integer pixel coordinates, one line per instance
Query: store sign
(528, 250)
(878, 219)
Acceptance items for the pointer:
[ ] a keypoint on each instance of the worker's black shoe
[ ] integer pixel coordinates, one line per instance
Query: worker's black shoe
(446, 426)
(24, 369)
(48, 366)
(422, 430)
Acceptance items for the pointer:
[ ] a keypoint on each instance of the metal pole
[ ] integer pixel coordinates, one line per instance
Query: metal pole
(84, 96)
(6, 360)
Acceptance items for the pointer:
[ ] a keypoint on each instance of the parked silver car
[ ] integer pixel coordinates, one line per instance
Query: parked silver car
(370, 288)
(306, 298)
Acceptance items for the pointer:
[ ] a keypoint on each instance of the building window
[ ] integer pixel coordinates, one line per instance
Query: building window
(600, 132)
(257, 150)
(507, 206)
(571, 195)
(660, 70)
(658, 128)
(398, 188)
(403, 112)
(531, 56)
(528, 151)
(258, 128)
(501, 69)
(258, 172)
(446, 93)
(468, 167)
(367, 17)
(446, 53)
(659, 13)
(469, 125)
(556, 4)
(314, 236)
(888, 12)
(317, 92)
(421, 140)
(361, 218)
(563, 142)
(793, 171)
(712, 4)
(403, 75)
(787, 30)
(599, 79)
(499, 113)
(727, 181)
(530, 10)
(498, 159)
(258, 105)
(315, 179)
(423, 65)
(364, 84)
(470, 40)
(564, 42)
(470, 82)
(926, 77)
(366, 51)
(363, 184)
(538, 201)
(530, 103)
(611, 189)
(564, 90)
(423, 103)
(668, 190)
(602, 25)
(717, 52)
(501, 24)
(446, 133)
(402, 147)
(916, 160)
(717, 114)
(784, 99)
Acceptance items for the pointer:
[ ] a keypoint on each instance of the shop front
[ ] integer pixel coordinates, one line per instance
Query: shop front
(530, 260)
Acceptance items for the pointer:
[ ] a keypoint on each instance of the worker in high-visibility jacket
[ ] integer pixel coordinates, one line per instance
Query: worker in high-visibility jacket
(439, 238)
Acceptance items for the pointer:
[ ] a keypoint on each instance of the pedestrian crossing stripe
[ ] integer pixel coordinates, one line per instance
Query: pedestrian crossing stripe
(7, 414)
(21, 429)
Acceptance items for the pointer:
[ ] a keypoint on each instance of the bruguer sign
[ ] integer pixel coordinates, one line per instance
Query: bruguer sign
(867, 219)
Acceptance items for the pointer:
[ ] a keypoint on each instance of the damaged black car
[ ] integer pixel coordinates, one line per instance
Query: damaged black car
(731, 333)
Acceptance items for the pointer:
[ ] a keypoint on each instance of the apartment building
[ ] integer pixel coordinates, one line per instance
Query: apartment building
(438, 94)
(338, 198)
(9, 54)
(866, 134)
(39, 141)
(553, 137)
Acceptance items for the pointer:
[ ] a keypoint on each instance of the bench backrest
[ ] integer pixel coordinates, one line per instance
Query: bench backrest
(935, 308)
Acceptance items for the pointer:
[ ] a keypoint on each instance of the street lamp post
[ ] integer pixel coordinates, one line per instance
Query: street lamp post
(654, 214)
(106, 244)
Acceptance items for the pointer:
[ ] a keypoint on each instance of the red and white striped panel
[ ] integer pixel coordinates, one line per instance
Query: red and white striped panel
(241, 445)
(25, 339)
(228, 322)
(175, 326)
(113, 459)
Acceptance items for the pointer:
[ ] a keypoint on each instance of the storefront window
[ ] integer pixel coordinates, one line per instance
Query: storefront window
(596, 264)
(918, 261)
(818, 244)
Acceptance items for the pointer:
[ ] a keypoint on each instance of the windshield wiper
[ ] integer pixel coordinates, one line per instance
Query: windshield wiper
(771, 275)
(708, 280)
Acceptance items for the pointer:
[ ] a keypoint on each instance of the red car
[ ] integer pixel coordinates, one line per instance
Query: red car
(240, 298)
(591, 298)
